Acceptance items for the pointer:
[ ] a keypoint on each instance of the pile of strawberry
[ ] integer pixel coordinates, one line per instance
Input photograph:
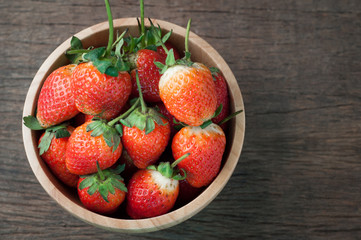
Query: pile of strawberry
(112, 116)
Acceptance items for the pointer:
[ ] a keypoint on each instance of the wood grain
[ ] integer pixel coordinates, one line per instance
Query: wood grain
(298, 66)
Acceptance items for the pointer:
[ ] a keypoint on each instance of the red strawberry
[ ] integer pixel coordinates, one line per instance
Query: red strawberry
(145, 133)
(84, 150)
(206, 147)
(99, 94)
(148, 74)
(189, 93)
(153, 191)
(102, 192)
(145, 149)
(169, 46)
(52, 151)
(222, 96)
(56, 102)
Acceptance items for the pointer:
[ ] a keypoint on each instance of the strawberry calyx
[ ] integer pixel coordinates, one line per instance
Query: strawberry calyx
(57, 131)
(143, 117)
(104, 181)
(170, 60)
(169, 171)
(104, 59)
(111, 131)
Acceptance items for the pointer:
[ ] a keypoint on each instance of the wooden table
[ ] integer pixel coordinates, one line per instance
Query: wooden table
(298, 65)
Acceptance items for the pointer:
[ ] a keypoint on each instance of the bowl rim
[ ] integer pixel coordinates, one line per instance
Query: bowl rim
(149, 224)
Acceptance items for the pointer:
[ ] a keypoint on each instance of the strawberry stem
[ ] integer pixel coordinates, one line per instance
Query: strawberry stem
(187, 37)
(100, 172)
(142, 103)
(115, 120)
(175, 163)
(111, 29)
(229, 117)
(142, 27)
(158, 38)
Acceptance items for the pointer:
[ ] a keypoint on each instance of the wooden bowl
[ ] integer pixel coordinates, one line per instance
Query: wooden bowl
(97, 35)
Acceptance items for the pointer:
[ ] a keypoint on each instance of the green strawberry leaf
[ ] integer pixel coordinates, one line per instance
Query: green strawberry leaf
(87, 182)
(150, 126)
(62, 133)
(95, 54)
(109, 133)
(45, 142)
(214, 70)
(32, 123)
(110, 188)
(159, 65)
(167, 36)
(75, 44)
(119, 129)
(165, 169)
(119, 169)
(103, 64)
(93, 188)
(151, 47)
(180, 176)
(170, 60)
(112, 71)
(118, 184)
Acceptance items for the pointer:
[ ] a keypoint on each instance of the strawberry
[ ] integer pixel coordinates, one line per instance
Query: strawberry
(148, 72)
(56, 102)
(102, 192)
(145, 149)
(86, 146)
(52, 150)
(145, 134)
(222, 96)
(100, 83)
(187, 89)
(206, 147)
(99, 94)
(153, 191)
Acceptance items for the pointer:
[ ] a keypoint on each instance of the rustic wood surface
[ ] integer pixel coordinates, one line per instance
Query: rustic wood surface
(298, 65)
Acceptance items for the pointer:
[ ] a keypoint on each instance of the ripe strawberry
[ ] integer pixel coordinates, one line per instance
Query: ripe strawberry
(102, 192)
(99, 94)
(187, 89)
(189, 93)
(56, 102)
(222, 96)
(145, 149)
(145, 133)
(153, 191)
(52, 151)
(86, 147)
(149, 75)
(206, 147)
(169, 46)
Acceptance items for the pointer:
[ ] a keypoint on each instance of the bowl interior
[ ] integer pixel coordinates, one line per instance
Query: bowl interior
(97, 35)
